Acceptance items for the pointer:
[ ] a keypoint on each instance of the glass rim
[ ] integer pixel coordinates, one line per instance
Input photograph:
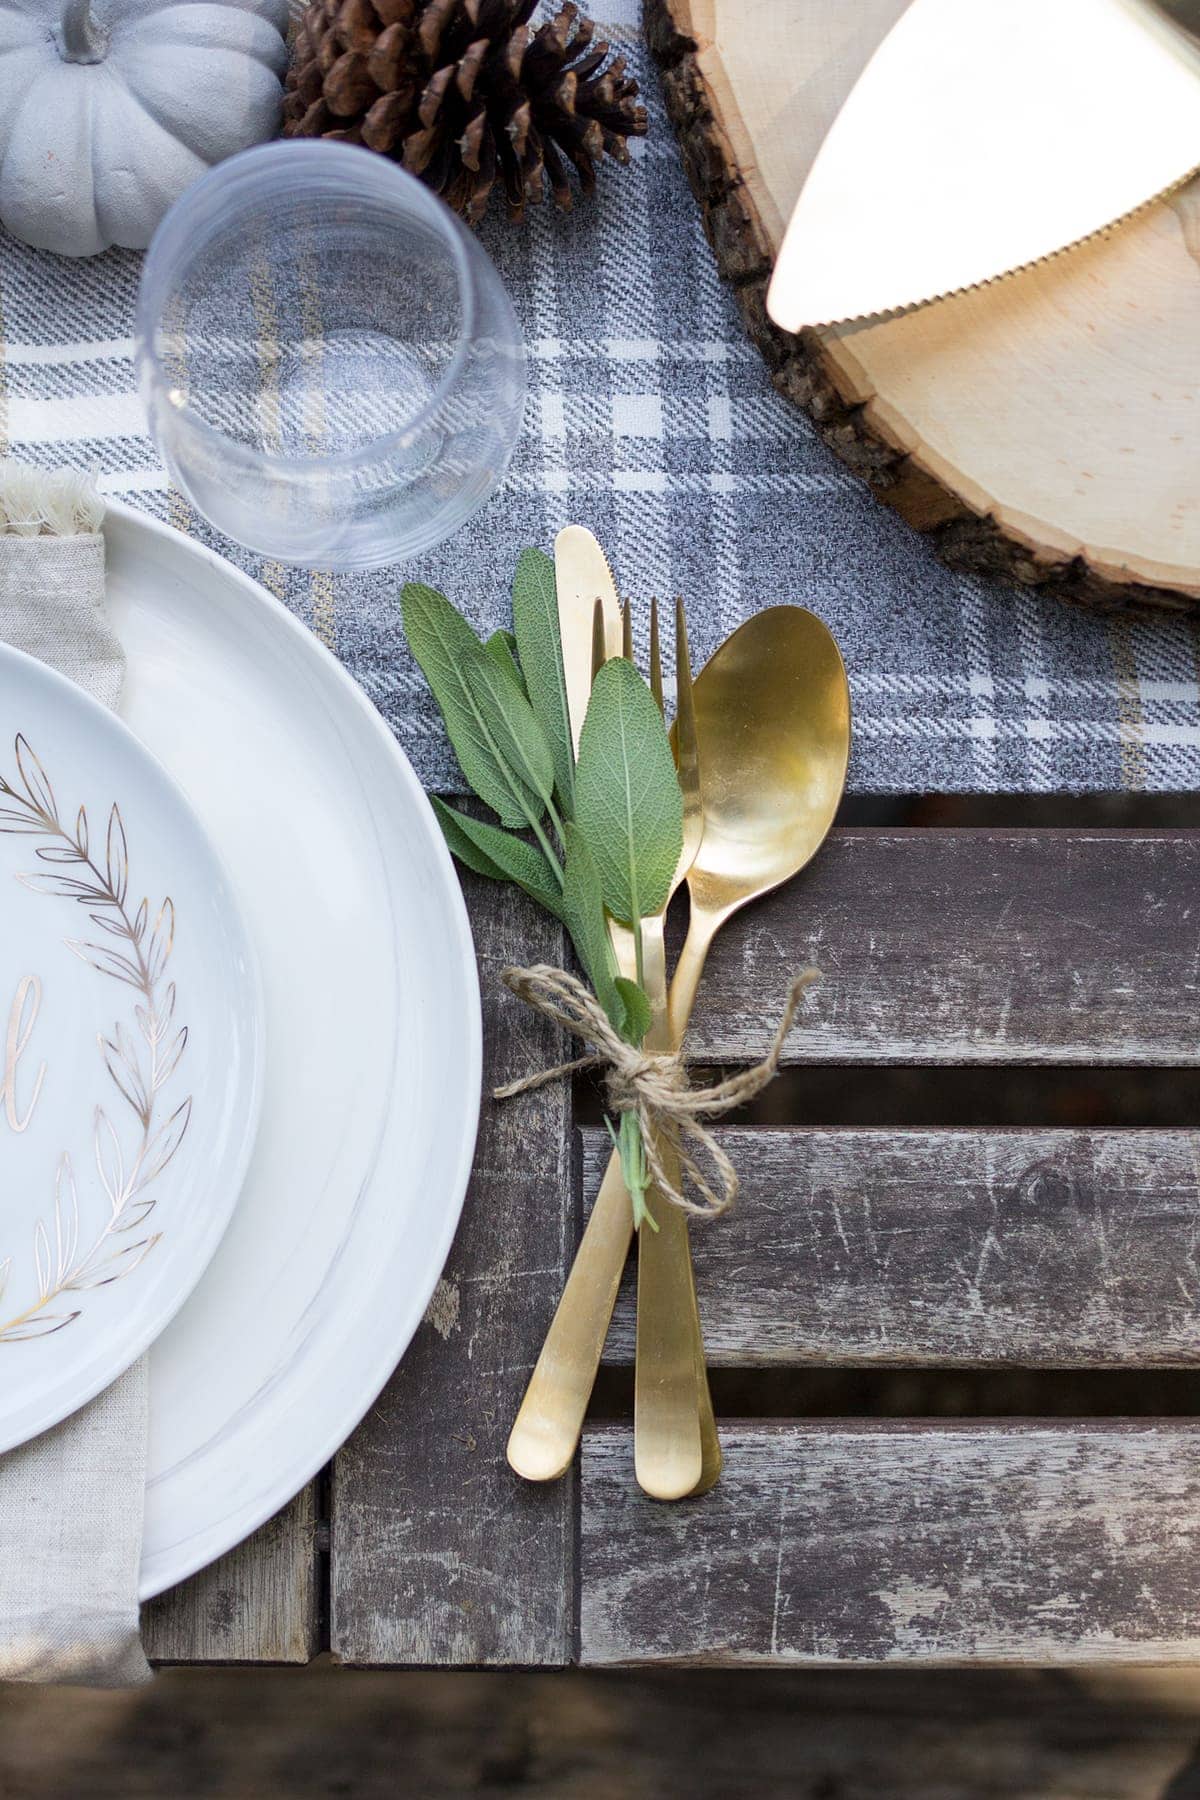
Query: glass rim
(383, 179)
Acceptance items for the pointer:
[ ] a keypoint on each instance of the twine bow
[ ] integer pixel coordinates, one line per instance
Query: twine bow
(653, 1085)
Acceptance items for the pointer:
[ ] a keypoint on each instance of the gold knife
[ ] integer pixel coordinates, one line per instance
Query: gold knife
(547, 1428)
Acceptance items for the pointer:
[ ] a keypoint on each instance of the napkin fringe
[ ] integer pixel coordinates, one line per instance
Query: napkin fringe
(47, 502)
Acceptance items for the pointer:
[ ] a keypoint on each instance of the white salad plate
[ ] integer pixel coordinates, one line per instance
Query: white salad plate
(132, 1045)
(372, 1069)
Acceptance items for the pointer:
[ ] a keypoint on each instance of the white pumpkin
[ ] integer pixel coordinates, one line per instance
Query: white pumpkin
(108, 113)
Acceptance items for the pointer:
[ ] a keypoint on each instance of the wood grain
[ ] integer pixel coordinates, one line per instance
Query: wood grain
(1038, 428)
(841, 1542)
(970, 947)
(258, 1604)
(440, 1554)
(1009, 1543)
(835, 1734)
(1069, 1248)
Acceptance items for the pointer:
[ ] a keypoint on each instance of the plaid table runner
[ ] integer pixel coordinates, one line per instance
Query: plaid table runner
(651, 420)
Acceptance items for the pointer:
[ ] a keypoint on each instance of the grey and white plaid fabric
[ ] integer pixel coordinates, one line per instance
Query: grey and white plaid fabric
(651, 420)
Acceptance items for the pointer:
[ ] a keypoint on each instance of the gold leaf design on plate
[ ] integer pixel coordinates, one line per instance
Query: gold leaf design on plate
(139, 1062)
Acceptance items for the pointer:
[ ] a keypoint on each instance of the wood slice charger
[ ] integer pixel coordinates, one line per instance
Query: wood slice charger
(1045, 428)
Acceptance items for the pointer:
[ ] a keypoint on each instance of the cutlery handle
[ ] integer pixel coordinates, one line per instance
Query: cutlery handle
(685, 983)
(672, 1405)
(692, 958)
(548, 1426)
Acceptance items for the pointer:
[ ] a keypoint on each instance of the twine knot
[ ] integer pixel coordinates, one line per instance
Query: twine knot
(683, 1156)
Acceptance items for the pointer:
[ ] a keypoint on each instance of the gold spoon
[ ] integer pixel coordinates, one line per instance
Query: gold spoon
(773, 728)
(773, 731)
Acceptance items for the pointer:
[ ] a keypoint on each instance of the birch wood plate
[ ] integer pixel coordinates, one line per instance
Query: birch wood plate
(371, 1085)
(132, 1048)
(1041, 428)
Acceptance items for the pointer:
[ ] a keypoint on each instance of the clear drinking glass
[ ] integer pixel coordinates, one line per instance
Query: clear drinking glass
(331, 368)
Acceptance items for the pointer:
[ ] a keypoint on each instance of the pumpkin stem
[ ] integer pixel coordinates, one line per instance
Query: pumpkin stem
(79, 38)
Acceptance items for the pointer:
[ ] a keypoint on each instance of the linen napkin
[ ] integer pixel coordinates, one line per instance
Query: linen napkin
(72, 1500)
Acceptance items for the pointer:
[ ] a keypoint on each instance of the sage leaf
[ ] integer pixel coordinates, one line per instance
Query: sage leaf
(627, 799)
(539, 645)
(500, 746)
(502, 648)
(638, 1012)
(500, 855)
(583, 916)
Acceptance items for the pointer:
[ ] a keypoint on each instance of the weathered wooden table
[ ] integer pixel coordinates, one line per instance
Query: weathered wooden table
(836, 1539)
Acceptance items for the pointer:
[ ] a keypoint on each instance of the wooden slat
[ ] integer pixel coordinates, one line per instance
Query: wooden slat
(971, 946)
(258, 1604)
(816, 1734)
(1003, 1543)
(1072, 1248)
(439, 1553)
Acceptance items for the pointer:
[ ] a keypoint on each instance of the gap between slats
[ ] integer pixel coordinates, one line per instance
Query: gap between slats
(928, 1393)
(983, 1096)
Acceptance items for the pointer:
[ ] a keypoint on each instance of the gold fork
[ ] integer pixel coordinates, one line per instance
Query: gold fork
(676, 1449)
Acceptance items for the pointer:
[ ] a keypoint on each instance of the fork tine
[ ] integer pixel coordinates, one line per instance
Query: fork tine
(686, 746)
(627, 631)
(599, 645)
(656, 680)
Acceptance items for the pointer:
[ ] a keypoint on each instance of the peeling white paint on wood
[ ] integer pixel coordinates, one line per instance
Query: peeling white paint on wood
(442, 1313)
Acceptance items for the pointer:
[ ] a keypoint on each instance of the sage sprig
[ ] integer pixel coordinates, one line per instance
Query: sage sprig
(501, 856)
(627, 799)
(539, 646)
(499, 744)
(589, 840)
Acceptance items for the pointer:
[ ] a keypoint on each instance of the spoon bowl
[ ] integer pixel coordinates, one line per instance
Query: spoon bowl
(773, 732)
(773, 726)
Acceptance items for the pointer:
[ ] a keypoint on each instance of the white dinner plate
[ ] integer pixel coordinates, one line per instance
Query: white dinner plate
(130, 1030)
(372, 1069)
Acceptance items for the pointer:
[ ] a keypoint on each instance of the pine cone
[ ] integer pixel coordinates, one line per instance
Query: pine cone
(463, 93)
